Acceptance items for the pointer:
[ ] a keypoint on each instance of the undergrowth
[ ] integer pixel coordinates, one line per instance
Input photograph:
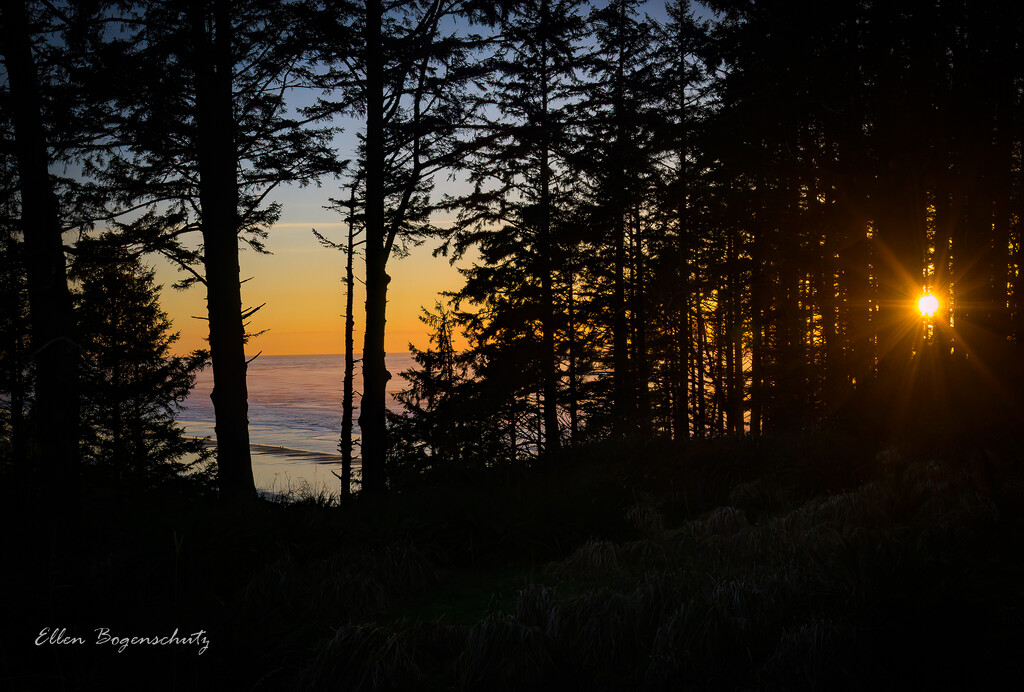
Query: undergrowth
(730, 565)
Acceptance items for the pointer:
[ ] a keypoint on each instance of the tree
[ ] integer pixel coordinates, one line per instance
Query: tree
(521, 183)
(348, 388)
(618, 101)
(346, 443)
(132, 385)
(55, 403)
(681, 111)
(202, 108)
(430, 431)
(878, 148)
(15, 355)
(405, 80)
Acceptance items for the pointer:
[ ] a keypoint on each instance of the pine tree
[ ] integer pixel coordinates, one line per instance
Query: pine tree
(617, 109)
(15, 355)
(200, 96)
(401, 69)
(435, 428)
(132, 386)
(522, 187)
(681, 110)
(346, 441)
(51, 321)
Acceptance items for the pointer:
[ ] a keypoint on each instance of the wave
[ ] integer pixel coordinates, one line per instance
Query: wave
(292, 453)
(304, 454)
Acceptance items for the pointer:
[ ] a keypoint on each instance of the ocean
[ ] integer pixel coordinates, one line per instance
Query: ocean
(294, 416)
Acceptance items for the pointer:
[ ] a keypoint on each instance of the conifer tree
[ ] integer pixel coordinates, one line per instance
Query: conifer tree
(619, 96)
(202, 107)
(29, 37)
(15, 355)
(399, 67)
(430, 432)
(682, 107)
(346, 440)
(522, 186)
(132, 386)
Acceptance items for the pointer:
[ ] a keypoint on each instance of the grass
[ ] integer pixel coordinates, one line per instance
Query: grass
(725, 565)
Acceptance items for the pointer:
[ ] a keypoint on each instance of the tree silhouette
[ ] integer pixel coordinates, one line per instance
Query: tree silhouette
(132, 386)
(400, 68)
(51, 321)
(684, 228)
(346, 442)
(15, 355)
(517, 168)
(200, 98)
(617, 114)
(437, 428)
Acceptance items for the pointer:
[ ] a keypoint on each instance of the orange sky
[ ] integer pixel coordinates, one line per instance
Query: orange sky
(301, 285)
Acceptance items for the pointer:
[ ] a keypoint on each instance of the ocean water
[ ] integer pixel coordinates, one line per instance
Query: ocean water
(294, 416)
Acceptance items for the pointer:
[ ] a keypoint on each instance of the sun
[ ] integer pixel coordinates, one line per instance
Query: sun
(928, 305)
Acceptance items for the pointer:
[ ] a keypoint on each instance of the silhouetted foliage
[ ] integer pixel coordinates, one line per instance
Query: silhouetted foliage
(435, 423)
(132, 386)
(723, 227)
(521, 197)
(37, 53)
(199, 96)
(15, 356)
(400, 68)
(713, 226)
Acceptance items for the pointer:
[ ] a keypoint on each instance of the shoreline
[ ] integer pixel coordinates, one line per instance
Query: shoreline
(279, 470)
(291, 453)
(303, 454)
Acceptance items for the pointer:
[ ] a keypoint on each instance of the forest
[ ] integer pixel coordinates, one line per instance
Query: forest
(739, 396)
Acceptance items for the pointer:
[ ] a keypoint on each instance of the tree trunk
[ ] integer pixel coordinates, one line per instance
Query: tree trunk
(832, 325)
(642, 374)
(699, 380)
(722, 353)
(375, 374)
(55, 411)
(15, 301)
(549, 363)
(759, 287)
(683, 330)
(218, 197)
(572, 347)
(733, 342)
(622, 407)
(19, 390)
(681, 372)
(348, 394)
(683, 338)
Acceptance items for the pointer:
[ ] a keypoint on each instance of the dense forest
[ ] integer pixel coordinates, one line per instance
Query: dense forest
(700, 243)
(680, 229)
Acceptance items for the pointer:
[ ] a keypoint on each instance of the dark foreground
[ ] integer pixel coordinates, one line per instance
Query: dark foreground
(802, 563)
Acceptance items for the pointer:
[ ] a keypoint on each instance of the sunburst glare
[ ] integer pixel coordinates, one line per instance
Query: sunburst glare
(928, 305)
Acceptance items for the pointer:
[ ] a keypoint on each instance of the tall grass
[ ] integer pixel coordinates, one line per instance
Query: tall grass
(722, 566)
(722, 602)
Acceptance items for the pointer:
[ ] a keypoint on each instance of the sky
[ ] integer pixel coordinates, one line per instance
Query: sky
(301, 284)
(301, 281)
